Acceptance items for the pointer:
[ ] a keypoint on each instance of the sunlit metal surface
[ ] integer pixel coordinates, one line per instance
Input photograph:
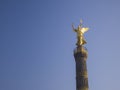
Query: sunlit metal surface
(80, 31)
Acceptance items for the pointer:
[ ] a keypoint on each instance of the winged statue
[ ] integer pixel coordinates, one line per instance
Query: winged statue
(80, 31)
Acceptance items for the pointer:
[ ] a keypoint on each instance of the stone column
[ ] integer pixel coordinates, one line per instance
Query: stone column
(80, 55)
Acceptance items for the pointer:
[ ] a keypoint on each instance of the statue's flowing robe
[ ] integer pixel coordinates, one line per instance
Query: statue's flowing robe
(80, 38)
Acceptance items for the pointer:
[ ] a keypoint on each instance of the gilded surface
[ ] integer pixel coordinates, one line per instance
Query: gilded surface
(80, 31)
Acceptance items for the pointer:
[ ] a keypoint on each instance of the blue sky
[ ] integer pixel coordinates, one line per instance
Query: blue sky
(37, 43)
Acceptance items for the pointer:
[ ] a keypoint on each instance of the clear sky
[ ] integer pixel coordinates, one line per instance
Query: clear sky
(37, 43)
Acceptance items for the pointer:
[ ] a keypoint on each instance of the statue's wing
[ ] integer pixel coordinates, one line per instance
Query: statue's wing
(83, 30)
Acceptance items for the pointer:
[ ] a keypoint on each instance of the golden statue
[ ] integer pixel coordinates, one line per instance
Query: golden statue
(80, 31)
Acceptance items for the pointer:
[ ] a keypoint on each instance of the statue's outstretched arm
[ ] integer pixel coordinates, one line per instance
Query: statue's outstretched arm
(74, 28)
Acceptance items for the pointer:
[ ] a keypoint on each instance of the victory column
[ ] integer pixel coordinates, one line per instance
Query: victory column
(80, 55)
